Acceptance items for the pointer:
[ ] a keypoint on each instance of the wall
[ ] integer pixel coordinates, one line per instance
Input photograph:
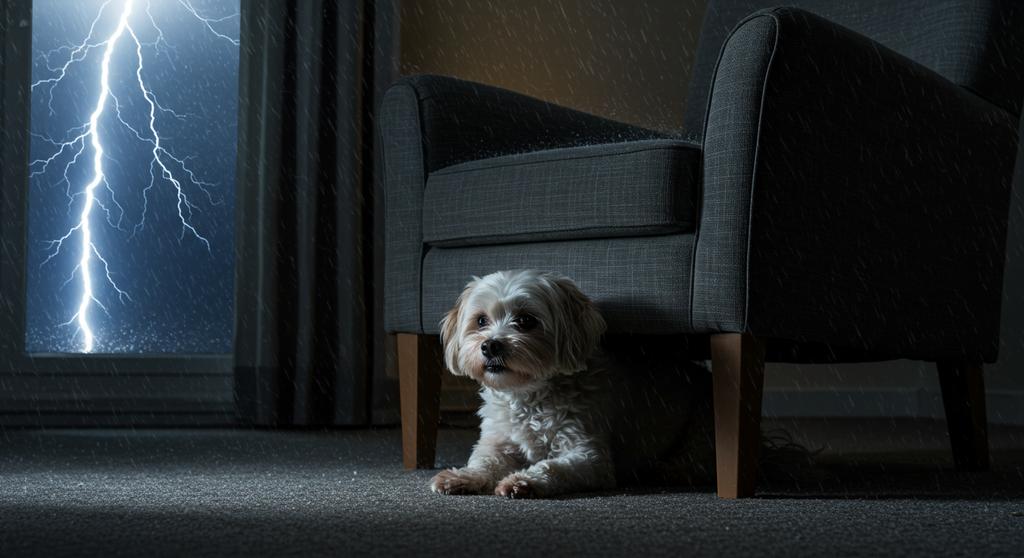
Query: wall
(630, 61)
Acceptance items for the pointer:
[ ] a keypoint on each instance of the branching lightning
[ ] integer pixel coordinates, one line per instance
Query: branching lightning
(68, 151)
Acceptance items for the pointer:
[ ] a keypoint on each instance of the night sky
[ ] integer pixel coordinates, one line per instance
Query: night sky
(182, 295)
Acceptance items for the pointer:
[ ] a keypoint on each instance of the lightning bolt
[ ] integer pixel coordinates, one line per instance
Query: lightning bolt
(69, 149)
(209, 21)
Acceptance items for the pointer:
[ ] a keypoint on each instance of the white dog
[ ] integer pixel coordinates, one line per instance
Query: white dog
(559, 414)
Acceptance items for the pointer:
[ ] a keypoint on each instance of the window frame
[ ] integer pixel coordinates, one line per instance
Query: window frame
(25, 373)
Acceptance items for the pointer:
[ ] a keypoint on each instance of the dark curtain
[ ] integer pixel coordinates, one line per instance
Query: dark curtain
(305, 301)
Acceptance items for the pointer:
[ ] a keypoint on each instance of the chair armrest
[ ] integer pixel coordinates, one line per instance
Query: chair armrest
(464, 121)
(431, 122)
(851, 196)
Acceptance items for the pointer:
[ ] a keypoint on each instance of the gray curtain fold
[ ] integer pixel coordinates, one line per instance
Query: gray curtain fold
(304, 349)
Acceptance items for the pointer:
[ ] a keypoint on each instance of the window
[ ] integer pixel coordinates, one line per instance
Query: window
(130, 206)
(162, 356)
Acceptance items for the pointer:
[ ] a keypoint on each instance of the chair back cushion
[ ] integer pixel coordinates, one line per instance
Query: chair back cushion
(977, 44)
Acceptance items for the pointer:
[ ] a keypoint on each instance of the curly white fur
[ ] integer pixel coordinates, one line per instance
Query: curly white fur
(559, 415)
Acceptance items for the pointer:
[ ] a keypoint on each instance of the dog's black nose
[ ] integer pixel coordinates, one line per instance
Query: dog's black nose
(492, 348)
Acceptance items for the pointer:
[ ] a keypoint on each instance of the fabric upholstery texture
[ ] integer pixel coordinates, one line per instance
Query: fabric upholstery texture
(977, 44)
(641, 285)
(850, 197)
(608, 190)
(401, 149)
(719, 301)
(431, 122)
(847, 218)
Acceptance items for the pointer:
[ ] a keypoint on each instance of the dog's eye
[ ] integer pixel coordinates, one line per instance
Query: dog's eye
(482, 321)
(524, 322)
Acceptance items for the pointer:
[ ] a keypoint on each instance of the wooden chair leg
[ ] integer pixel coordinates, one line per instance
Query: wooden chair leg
(420, 363)
(737, 364)
(963, 396)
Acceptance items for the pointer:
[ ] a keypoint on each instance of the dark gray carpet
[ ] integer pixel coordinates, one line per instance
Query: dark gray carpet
(222, 492)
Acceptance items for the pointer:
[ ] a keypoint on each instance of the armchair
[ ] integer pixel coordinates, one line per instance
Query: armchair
(840, 193)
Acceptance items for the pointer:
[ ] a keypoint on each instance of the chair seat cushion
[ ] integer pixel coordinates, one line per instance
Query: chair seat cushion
(641, 285)
(596, 191)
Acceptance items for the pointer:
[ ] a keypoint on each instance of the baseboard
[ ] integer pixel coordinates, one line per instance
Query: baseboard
(125, 400)
(1002, 406)
(223, 418)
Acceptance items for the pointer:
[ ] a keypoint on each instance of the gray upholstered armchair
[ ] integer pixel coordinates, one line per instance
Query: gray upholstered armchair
(839, 192)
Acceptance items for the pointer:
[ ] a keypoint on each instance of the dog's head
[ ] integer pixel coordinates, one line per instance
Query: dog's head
(514, 330)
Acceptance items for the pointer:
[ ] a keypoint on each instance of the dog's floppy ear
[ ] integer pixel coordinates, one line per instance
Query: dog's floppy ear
(450, 337)
(583, 326)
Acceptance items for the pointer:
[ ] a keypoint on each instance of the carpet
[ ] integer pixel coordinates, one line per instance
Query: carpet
(300, 493)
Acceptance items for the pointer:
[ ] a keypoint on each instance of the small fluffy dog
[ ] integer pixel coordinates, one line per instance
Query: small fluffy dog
(560, 414)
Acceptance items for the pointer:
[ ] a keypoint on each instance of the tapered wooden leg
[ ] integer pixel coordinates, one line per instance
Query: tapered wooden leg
(737, 364)
(963, 395)
(420, 363)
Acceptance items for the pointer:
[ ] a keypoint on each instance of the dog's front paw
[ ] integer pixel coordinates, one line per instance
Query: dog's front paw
(452, 481)
(515, 488)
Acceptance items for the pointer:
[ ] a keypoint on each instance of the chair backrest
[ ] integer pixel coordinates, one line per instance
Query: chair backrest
(978, 44)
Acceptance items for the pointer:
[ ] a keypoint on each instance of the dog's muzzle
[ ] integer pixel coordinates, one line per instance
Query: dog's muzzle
(492, 348)
(494, 366)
